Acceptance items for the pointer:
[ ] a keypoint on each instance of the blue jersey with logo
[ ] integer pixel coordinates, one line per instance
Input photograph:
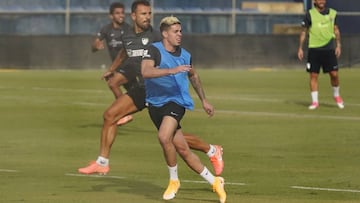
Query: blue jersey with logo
(170, 88)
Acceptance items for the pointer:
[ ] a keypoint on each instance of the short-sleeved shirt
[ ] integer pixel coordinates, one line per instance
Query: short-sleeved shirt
(112, 37)
(153, 53)
(169, 88)
(136, 43)
(307, 24)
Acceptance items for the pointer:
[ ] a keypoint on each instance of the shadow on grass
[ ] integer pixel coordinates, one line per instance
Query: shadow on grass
(121, 129)
(307, 103)
(129, 186)
(151, 191)
(184, 193)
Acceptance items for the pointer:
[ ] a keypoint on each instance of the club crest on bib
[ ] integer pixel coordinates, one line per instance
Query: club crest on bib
(145, 41)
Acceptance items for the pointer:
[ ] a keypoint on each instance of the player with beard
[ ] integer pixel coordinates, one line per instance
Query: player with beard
(324, 49)
(112, 32)
(126, 70)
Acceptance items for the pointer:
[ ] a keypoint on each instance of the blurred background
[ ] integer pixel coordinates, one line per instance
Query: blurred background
(219, 33)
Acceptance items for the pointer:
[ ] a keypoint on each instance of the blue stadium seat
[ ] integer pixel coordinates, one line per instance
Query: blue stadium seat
(87, 23)
(96, 5)
(40, 24)
(192, 4)
(32, 5)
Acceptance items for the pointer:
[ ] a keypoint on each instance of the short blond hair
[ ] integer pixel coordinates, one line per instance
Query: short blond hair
(168, 21)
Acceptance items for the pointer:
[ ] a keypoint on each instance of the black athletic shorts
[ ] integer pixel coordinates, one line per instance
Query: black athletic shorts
(170, 109)
(136, 92)
(129, 69)
(318, 58)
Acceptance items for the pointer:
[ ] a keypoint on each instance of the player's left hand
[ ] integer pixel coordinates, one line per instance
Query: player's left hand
(107, 75)
(208, 108)
(337, 52)
(99, 45)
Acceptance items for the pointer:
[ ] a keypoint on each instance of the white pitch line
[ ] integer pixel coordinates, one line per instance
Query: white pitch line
(258, 98)
(325, 189)
(288, 115)
(120, 177)
(253, 113)
(204, 182)
(68, 90)
(89, 104)
(291, 115)
(95, 176)
(8, 170)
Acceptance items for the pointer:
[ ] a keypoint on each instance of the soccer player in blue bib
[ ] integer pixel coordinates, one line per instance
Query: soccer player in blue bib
(166, 68)
(129, 70)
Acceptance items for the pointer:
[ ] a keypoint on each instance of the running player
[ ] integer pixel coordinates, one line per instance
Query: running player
(128, 61)
(111, 34)
(167, 70)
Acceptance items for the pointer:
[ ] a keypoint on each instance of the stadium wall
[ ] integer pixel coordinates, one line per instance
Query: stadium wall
(209, 51)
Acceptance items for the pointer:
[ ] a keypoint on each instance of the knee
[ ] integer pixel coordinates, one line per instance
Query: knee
(313, 77)
(112, 84)
(108, 116)
(334, 77)
(164, 140)
(184, 152)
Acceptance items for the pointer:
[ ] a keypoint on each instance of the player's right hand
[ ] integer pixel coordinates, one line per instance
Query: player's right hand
(182, 68)
(300, 54)
(107, 75)
(99, 45)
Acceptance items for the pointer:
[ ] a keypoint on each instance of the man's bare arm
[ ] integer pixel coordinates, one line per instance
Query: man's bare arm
(301, 43)
(196, 83)
(149, 71)
(338, 41)
(97, 45)
(120, 58)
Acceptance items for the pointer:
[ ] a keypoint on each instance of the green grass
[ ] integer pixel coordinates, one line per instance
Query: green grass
(51, 120)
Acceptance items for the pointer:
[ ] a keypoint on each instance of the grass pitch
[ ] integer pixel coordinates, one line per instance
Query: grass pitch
(275, 149)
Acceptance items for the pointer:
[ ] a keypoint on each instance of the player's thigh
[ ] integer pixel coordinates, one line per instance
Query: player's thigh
(117, 79)
(167, 128)
(121, 107)
(330, 63)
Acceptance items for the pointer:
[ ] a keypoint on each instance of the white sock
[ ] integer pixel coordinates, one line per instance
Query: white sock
(208, 176)
(336, 91)
(211, 151)
(314, 96)
(173, 172)
(102, 161)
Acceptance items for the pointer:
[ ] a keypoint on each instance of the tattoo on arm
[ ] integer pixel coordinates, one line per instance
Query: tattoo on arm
(196, 83)
(337, 36)
(302, 38)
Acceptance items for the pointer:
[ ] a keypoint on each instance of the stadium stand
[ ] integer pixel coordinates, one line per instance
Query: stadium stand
(198, 16)
(273, 7)
(32, 5)
(191, 5)
(95, 5)
(289, 29)
(278, 24)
